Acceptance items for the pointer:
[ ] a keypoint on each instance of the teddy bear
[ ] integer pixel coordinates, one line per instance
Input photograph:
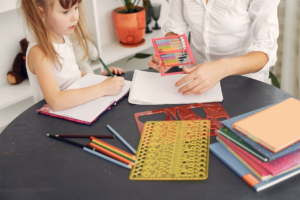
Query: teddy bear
(85, 64)
(19, 73)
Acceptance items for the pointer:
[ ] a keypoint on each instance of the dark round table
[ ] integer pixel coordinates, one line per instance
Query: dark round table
(34, 166)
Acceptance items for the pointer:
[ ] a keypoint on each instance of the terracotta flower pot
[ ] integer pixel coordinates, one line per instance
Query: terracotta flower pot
(130, 27)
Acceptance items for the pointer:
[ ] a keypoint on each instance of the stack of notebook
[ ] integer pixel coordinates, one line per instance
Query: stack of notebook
(262, 146)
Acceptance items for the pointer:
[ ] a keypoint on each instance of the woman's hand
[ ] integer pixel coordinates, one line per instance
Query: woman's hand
(112, 85)
(203, 77)
(155, 63)
(114, 70)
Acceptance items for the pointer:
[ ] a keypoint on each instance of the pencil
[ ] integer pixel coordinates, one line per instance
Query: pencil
(85, 136)
(120, 138)
(87, 148)
(114, 150)
(107, 158)
(120, 150)
(65, 140)
(110, 154)
(106, 67)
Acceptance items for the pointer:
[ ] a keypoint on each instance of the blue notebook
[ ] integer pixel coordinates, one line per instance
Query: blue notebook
(270, 155)
(242, 171)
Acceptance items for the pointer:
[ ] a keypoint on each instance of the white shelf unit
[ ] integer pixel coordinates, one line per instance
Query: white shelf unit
(17, 98)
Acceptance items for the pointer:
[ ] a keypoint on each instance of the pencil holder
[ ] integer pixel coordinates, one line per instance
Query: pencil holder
(173, 51)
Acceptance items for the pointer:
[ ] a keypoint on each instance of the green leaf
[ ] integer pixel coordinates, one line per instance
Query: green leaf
(140, 56)
(274, 80)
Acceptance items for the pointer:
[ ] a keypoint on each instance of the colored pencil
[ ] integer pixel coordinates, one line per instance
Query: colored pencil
(85, 136)
(114, 150)
(107, 158)
(87, 148)
(106, 67)
(110, 154)
(65, 140)
(122, 140)
(100, 141)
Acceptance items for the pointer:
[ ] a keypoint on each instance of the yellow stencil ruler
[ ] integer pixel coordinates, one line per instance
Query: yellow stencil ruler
(173, 150)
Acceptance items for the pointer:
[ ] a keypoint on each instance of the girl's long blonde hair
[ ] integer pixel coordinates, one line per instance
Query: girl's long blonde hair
(40, 32)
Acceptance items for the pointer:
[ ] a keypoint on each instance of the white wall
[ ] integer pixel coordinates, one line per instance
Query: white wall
(11, 33)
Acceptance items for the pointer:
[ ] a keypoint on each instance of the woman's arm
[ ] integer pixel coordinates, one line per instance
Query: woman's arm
(259, 57)
(206, 75)
(59, 100)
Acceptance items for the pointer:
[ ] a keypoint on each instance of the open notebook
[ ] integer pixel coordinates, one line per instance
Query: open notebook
(150, 88)
(87, 113)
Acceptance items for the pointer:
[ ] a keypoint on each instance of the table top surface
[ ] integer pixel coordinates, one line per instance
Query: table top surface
(33, 166)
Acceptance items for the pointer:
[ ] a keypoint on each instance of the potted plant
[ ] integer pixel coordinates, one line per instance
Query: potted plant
(130, 23)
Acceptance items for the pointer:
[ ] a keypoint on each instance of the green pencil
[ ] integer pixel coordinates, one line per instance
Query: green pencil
(106, 67)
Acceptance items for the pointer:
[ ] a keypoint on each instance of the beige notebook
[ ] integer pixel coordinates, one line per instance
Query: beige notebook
(275, 128)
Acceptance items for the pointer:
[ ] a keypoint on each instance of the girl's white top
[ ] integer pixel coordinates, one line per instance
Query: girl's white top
(227, 28)
(65, 75)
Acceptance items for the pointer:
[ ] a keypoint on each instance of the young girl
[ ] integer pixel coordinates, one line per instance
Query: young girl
(50, 60)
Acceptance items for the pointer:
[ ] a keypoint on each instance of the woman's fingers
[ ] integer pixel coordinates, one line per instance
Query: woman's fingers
(188, 87)
(189, 70)
(154, 62)
(184, 80)
(196, 90)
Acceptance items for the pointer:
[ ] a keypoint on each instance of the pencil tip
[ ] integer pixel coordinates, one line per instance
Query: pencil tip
(48, 135)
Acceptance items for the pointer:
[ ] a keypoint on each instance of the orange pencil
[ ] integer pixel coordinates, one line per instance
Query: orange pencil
(110, 154)
(114, 150)
(93, 138)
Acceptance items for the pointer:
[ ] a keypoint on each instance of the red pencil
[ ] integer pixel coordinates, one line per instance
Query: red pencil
(93, 138)
(85, 136)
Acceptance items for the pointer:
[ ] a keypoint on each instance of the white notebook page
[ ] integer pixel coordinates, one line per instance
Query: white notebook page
(150, 88)
(92, 109)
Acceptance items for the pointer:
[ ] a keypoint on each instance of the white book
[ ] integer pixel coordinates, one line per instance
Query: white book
(87, 112)
(150, 88)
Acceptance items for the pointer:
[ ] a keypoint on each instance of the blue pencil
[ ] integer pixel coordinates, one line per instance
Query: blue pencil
(107, 158)
(122, 140)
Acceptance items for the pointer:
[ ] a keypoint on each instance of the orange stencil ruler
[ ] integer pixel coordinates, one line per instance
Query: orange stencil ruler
(173, 150)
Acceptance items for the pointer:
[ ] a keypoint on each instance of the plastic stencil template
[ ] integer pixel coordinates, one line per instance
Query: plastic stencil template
(214, 111)
(173, 150)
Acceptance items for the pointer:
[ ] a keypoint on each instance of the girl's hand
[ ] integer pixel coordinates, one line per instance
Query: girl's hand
(114, 70)
(203, 77)
(112, 85)
(155, 63)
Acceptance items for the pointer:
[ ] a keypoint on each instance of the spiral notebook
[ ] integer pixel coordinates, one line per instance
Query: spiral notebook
(88, 112)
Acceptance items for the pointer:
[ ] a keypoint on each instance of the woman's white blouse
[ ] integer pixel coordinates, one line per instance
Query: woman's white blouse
(227, 28)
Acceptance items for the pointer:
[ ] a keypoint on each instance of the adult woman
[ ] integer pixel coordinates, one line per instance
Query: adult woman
(229, 37)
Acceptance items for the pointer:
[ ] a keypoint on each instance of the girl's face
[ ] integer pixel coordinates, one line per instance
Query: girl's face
(61, 21)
